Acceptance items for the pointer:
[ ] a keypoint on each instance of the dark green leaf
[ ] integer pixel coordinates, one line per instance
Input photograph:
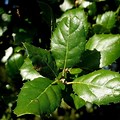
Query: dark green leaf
(14, 63)
(90, 60)
(28, 71)
(68, 42)
(99, 87)
(38, 97)
(108, 45)
(42, 59)
(47, 14)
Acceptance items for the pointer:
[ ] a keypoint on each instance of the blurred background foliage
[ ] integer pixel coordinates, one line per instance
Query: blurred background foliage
(33, 21)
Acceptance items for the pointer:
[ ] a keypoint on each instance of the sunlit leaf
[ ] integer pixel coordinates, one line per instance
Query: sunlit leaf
(108, 45)
(107, 19)
(99, 87)
(68, 41)
(27, 70)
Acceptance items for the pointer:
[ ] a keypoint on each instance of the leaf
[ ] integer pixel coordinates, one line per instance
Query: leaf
(80, 14)
(90, 60)
(38, 97)
(14, 63)
(99, 87)
(107, 19)
(108, 45)
(27, 70)
(78, 102)
(42, 59)
(68, 42)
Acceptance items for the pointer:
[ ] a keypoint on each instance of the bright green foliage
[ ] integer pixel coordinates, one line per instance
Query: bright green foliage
(71, 69)
(107, 20)
(80, 14)
(27, 70)
(108, 45)
(99, 87)
(68, 42)
(40, 96)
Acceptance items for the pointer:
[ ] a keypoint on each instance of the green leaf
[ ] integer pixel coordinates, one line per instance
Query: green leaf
(42, 59)
(80, 14)
(68, 42)
(40, 96)
(78, 102)
(14, 63)
(99, 87)
(27, 70)
(90, 60)
(75, 71)
(107, 19)
(108, 45)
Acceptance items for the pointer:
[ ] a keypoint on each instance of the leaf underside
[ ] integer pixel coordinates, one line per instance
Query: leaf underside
(99, 87)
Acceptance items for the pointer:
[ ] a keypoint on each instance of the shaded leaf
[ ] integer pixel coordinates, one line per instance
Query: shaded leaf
(99, 87)
(108, 45)
(14, 63)
(68, 42)
(27, 70)
(38, 97)
(90, 60)
(42, 59)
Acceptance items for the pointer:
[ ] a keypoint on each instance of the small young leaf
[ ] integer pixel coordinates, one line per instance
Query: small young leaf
(43, 59)
(40, 96)
(99, 87)
(68, 42)
(108, 19)
(27, 70)
(108, 45)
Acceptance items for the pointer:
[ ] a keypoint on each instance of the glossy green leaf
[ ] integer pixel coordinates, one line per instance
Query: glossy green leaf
(68, 42)
(14, 63)
(28, 71)
(99, 87)
(107, 19)
(80, 14)
(38, 97)
(42, 59)
(108, 45)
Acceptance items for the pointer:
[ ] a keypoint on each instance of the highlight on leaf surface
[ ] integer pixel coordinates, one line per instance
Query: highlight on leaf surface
(108, 45)
(68, 42)
(99, 87)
